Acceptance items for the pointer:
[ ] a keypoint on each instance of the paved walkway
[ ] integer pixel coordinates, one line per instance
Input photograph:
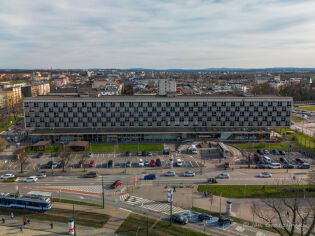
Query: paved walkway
(117, 216)
(12, 227)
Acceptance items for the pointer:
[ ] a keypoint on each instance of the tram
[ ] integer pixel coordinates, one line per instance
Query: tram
(34, 202)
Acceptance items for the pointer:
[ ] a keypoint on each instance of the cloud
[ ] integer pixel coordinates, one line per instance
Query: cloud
(156, 33)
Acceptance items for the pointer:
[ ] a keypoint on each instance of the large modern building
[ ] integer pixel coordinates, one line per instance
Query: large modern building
(154, 118)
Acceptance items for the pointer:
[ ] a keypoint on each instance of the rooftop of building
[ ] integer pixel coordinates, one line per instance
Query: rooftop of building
(85, 97)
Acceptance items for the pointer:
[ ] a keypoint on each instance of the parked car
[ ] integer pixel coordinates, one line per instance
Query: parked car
(30, 179)
(282, 153)
(299, 160)
(275, 152)
(179, 162)
(288, 166)
(150, 154)
(224, 221)
(117, 164)
(266, 151)
(116, 184)
(179, 219)
(146, 162)
(204, 216)
(274, 166)
(128, 164)
(223, 176)
(7, 176)
(283, 160)
(138, 154)
(90, 154)
(91, 174)
(158, 162)
(152, 163)
(41, 175)
(265, 175)
(266, 159)
(52, 164)
(189, 174)
(259, 151)
(92, 163)
(110, 164)
(144, 153)
(226, 165)
(304, 166)
(170, 173)
(149, 177)
(127, 154)
(140, 163)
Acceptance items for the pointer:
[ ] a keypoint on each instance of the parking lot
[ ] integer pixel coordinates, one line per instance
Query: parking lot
(293, 158)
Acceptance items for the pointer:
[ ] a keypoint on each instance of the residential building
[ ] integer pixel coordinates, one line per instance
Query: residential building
(36, 90)
(166, 86)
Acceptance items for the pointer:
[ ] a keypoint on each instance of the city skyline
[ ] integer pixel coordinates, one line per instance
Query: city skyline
(157, 34)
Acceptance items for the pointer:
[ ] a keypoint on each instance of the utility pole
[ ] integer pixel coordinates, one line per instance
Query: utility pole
(171, 212)
(220, 204)
(103, 197)
(170, 200)
(147, 226)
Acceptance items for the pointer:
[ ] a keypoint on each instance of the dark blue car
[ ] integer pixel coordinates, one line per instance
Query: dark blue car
(149, 177)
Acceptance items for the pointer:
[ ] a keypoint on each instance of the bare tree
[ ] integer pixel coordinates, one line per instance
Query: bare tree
(64, 158)
(3, 144)
(292, 212)
(22, 158)
(14, 107)
(83, 159)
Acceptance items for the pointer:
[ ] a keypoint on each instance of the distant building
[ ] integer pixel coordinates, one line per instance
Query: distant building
(262, 79)
(10, 96)
(61, 81)
(166, 86)
(35, 90)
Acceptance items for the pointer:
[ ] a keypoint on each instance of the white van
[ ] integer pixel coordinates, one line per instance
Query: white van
(274, 166)
(267, 159)
(193, 149)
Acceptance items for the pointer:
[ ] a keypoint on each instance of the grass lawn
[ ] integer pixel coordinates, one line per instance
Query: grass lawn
(101, 148)
(269, 146)
(139, 223)
(296, 118)
(75, 202)
(307, 108)
(5, 123)
(142, 147)
(256, 191)
(52, 148)
(304, 140)
(61, 215)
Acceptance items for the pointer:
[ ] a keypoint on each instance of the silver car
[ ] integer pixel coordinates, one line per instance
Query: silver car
(189, 174)
(223, 176)
(170, 173)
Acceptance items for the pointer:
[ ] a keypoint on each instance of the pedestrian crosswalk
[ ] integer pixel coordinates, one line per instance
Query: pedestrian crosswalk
(151, 205)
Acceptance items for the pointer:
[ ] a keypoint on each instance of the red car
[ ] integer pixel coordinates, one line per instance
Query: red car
(299, 160)
(152, 163)
(16, 128)
(116, 184)
(92, 163)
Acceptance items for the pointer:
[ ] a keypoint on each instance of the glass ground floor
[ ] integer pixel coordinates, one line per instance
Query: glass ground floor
(167, 137)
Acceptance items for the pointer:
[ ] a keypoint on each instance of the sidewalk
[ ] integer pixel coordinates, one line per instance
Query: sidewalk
(12, 227)
(117, 216)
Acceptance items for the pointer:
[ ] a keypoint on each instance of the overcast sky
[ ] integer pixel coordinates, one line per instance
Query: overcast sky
(159, 34)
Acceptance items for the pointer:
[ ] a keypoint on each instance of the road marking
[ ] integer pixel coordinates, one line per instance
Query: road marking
(240, 229)
(151, 205)
(260, 234)
(124, 209)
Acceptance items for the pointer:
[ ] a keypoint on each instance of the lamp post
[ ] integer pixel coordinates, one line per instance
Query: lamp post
(170, 200)
(103, 197)
(75, 233)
